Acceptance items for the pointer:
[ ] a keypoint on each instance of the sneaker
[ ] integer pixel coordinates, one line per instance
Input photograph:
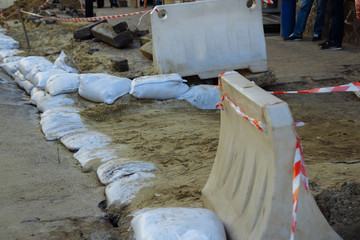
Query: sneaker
(314, 39)
(331, 47)
(293, 38)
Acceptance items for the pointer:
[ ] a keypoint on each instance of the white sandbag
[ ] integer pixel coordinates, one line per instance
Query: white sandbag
(62, 83)
(159, 87)
(4, 53)
(10, 65)
(28, 86)
(7, 42)
(64, 62)
(19, 79)
(42, 68)
(37, 95)
(75, 141)
(178, 223)
(121, 191)
(49, 102)
(115, 169)
(90, 157)
(202, 96)
(104, 88)
(55, 124)
(26, 65)
(40, 78)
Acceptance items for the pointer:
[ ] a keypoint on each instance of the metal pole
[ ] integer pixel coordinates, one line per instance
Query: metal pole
(89, 9)
(22, 22)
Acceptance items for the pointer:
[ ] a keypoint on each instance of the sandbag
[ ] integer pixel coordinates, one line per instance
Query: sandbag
(49, 102)
(19, 79)
(75, 141)
(40, 78)
(10, 65)
(159, 87)
(26, 65)
(56, 124)
(65, 63)
(177, 223)
(115, 169)
(202, 96)
(7, 42)
(104, 88)
(4, 53)
(36, 95)
(62, 83)
(121, 191)
(28, 86)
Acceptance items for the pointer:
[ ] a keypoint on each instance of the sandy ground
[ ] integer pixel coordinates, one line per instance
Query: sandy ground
(182, 140)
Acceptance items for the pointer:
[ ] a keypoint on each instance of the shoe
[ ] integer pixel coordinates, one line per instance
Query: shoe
(293, 38)
(323, 44)
(314, 39)
(330, 46)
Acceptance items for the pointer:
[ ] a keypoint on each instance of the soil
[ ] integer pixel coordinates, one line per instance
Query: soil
(182, 140)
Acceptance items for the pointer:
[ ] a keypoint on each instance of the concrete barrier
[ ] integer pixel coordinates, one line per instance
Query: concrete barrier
(208, 37)
(250, 185)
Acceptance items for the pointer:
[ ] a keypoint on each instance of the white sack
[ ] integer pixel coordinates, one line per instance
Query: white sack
(64, 62)
(4, 53)
(90, 157)
(42, 68)
(7, 42)
(56, 124)
(104, 88)
(19, 79)
(202, 96)
(75, 141)
(10, 65)
(178, 223)
(62, 83)
(26, 65)
(37, 95)
(115, 169)
(28, 86)
(121, 191)
(49, 102)
(40, 78)
(159, 87)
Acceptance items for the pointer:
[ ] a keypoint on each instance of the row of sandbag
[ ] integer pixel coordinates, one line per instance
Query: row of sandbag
(59, 78)
(123, 175)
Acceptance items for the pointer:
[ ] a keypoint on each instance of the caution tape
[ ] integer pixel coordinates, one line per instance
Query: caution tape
(91, 19)
(299, 175)
(82, 7)
(268, 1)
(351, 87)
(45, 3)
(299, 170)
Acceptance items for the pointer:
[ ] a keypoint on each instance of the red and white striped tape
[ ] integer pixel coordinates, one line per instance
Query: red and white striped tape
(351, 87)
(268, 1)
(45, 3)
(91, 19)
(299, 175)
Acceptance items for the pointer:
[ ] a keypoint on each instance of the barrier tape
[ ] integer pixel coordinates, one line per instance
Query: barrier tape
(82, 7)
(351, 87)
(299, 170)
(299, 175)
(91, 19)
(268, 1)
(45, 3)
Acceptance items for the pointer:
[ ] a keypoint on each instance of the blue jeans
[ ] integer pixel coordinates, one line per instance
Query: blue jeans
(303, 15)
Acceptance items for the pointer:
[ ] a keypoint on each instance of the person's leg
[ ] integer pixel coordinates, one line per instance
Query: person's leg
(320, 17)
(302, 17)
(336, 15)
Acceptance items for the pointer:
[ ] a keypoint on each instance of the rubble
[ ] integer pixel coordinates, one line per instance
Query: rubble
(106, 33)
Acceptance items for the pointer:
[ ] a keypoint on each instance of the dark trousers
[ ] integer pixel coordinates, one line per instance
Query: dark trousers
(336, 16)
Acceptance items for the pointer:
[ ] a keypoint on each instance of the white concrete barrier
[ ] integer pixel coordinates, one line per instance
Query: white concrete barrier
(208, 37)
(250, 185)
